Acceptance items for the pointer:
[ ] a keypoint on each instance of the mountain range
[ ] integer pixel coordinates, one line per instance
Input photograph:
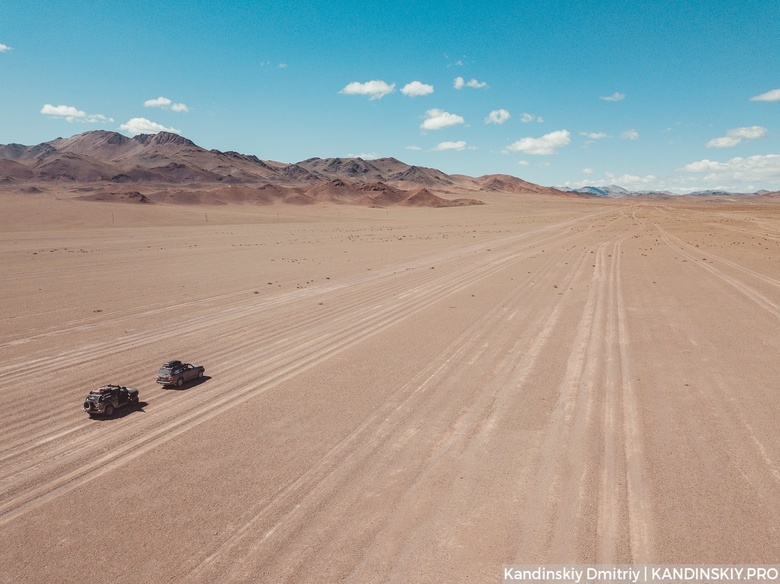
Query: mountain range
(615, 191)
(166, 167)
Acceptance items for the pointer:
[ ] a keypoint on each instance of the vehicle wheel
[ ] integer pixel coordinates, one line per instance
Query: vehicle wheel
(179, 382)
(134, 401)
(200, 374)
(109, 410)
(86, 406)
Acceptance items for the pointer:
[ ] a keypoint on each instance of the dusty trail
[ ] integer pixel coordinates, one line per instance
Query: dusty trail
(301, 345)
(551, 391)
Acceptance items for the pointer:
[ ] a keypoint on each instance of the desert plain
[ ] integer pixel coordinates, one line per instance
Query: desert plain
(391, 394)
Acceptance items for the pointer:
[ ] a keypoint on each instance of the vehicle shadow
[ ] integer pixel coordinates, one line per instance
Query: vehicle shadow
(121, 412)
(189, 384)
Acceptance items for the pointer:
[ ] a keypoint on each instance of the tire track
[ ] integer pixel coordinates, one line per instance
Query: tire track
(47, 364)
(639, 516)
(352, 293)
(762, 277)
(595, 409)
(273, 340)
(332, 336)
(551, 504)
(760, 299)
(380, 441)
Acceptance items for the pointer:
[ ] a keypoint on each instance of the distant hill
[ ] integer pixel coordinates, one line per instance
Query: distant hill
(503, 183)
(166, 165)
(615, 191)
(611, 191)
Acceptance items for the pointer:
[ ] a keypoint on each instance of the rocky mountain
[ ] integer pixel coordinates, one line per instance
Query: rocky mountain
(615, 191)
(162, 163)
(710, 193)
(502, 183)
(611, 191)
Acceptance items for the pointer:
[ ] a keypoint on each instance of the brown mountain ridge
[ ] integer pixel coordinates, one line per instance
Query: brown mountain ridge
(166, 167)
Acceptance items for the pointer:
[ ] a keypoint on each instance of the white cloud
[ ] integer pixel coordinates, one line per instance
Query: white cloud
(158, 102)
(282, 65)
(438, 119)
(459, 145)
(460, 83)
(364, 156)
(594, 135)
(748, 133)
(628, 181)
(374, 89)
(523, 163)
(73, 114)
(630, 135)
(417, 89)
(632, 181)
(413, 148)
(704, 165)
(759, 168)
(736, 136)
(724, 142)
(617, 96)
(4, 48)
(497, 117)
(165, 103)
(144, 126)
(546, 145)
(63, 111)
(458, 63)
(773, 95)
(526, 118)
(735, 175)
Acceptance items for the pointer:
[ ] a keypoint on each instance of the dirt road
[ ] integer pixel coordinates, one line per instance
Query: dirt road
(393, 397)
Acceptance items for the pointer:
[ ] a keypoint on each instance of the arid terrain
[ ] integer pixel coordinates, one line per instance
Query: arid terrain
(398, 394)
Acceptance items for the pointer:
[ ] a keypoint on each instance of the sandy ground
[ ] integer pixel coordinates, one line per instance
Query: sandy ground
(392, 395)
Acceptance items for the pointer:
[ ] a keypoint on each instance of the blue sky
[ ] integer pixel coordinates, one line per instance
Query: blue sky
(677, 95)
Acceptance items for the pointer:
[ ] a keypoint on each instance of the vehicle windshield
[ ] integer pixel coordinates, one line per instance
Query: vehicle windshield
(164, 371)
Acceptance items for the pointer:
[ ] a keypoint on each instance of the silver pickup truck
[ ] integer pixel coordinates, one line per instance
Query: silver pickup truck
(104, 400)
(177, 373)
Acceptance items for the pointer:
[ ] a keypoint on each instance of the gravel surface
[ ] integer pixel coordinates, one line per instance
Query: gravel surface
(391, 395)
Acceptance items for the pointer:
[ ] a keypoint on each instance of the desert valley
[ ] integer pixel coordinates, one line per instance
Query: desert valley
(410, 376)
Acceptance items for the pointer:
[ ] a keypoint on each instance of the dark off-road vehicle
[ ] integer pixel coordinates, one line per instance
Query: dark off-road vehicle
(177, 373)
(104, 400)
